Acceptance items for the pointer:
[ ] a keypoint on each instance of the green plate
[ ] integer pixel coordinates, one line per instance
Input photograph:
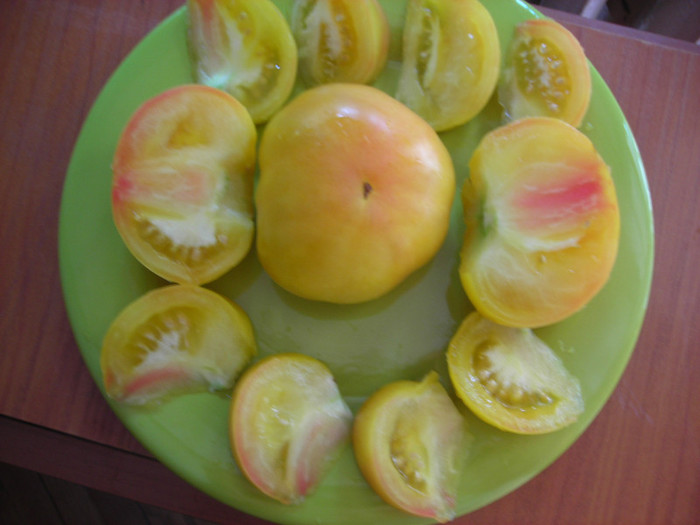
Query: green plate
(402, 335)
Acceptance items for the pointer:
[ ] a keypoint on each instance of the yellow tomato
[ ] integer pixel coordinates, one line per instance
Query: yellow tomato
(511, 379)
(287, 424)
(340, 40)
(175, 339)
(542, 223)
(244, 47)
(354, 194)
(546, 74)
(409, 441)
(451, 60)
(182, 193)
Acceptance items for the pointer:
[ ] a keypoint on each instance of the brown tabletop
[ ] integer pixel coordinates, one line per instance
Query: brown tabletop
(639, 462)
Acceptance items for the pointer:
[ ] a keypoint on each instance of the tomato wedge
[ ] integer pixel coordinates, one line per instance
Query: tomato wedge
(511, 379)
(410, 441)
(340, 40)
(244, 47)
(546, 74)
(182, 190)
(174, 340)
(451, 60)
(287, 424)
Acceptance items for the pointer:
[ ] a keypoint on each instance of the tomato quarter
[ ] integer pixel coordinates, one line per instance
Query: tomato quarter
(244, 47)
(511, 379)
(340, 40)
(546, 74)
(172, 340)
(451, 60)
(410, 441)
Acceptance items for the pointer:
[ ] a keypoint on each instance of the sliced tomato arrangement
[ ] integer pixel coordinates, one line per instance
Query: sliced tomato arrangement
(182, 191)
(511, 379)
(340, 40)
(451, 60)
(410, 441)
(546, 73)
(244, 47)
(173, 340)
(543, 223)
(287, 424)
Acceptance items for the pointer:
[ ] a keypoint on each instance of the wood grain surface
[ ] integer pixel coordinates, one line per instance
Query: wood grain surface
(638, 463)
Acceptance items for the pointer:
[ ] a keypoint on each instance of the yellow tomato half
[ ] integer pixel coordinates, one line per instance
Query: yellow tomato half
(451, 60)
(409, 441)
(287, 424)
(175, 339)
(546, 74)
(244, 47)
(182, 190)
(354, 194)
(511, 379)
(542, 220)
(340, 40)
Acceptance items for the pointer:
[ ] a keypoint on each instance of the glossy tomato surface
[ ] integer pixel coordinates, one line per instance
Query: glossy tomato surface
(182, 188)
(355, 194)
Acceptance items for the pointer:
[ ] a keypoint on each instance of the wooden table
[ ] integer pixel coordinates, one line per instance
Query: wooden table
(639, 462)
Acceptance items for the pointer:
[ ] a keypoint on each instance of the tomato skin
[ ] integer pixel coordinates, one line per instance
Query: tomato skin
(244, 47)
(546, 74)
(174, 340)
(511, 379)
(355, 193)
(409, 441)
(287, 424)
(340, 40)
(542, 223)
(451, 60)
(182, 186)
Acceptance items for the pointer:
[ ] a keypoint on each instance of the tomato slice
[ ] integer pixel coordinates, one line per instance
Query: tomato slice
(244, 47)
(546, 73)
(340, 40)
(288, 422)
(182, 193)
(451, 60)
(174, 340)
(543, 223)
(410, 441)
(511, 379)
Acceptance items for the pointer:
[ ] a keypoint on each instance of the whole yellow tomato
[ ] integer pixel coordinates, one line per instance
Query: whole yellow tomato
(354, 194)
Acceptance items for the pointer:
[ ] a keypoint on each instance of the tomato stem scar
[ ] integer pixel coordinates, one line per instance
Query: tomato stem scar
(366, 189)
